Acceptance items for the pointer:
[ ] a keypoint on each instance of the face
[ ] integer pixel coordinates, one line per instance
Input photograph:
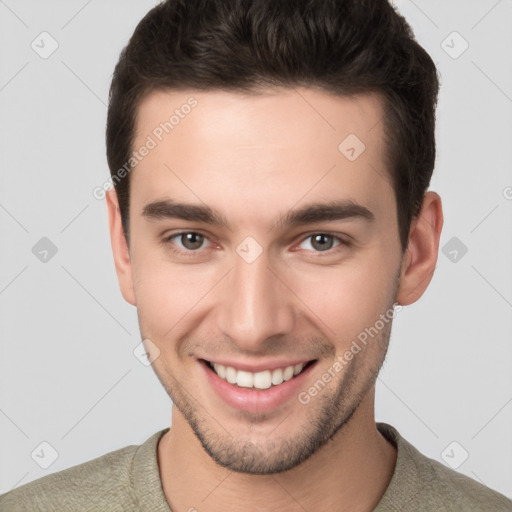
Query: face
(261, 238)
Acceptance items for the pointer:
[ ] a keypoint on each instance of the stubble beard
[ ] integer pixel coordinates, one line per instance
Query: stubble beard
(327, 414)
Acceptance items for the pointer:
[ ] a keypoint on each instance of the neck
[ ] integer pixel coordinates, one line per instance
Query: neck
(350, 472)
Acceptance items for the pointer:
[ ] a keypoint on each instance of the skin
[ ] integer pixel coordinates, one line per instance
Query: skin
(253, 159)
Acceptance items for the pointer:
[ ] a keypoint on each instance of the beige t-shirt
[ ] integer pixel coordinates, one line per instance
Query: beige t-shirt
(128, 480)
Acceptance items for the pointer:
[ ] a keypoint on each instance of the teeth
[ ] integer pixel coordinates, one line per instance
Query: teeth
(260, 380)
(288, 373)
(221, 370)
(244, 379)
(230, 375)
(277, 377)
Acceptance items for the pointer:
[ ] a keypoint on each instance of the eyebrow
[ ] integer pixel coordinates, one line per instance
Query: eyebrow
(308, 214)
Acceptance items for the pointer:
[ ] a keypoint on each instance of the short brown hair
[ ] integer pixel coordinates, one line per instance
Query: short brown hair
(342, 46)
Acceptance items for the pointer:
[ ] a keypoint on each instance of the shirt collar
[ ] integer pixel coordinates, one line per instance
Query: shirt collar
(405, 480)
(150, 497)
(145, 476)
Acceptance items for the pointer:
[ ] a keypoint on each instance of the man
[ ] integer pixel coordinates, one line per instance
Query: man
(271, 161)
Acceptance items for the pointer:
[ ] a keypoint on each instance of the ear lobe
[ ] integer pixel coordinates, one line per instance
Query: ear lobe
(120, 248)
(420, 257)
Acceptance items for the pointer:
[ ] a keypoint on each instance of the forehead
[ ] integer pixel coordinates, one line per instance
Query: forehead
(275, 147)
(303, 112)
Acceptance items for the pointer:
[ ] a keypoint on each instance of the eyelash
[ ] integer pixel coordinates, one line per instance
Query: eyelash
(167, 241)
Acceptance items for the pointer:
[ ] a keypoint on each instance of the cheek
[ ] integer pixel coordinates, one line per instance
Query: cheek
(340, 300)
(346, 299)
(167, 295)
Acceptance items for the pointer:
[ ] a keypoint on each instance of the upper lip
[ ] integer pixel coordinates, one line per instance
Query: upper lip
(260, 366)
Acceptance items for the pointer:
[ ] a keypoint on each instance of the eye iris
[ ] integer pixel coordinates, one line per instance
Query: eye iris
(192, 240)
(323, 246)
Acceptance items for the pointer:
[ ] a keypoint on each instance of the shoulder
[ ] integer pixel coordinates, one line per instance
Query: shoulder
(75, 488)
(91, 485)
(420, 483)
(456, 491)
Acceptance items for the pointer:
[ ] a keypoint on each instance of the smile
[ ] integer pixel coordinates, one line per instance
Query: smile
(259, 380)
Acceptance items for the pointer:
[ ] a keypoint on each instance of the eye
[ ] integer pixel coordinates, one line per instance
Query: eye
(186, 241)
(323, 242)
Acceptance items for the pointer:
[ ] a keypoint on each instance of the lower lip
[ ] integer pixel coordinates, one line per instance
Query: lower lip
(255, 400)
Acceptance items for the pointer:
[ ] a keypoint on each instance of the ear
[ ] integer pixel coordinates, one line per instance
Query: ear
(420, 257)
(120, 248)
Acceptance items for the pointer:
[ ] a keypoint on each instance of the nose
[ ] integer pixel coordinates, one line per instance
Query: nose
(255, 304)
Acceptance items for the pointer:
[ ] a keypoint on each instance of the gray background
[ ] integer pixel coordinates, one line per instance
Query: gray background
(68, 376)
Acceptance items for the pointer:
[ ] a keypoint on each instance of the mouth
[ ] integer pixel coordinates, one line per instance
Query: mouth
(265, 379)
(263, 391)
